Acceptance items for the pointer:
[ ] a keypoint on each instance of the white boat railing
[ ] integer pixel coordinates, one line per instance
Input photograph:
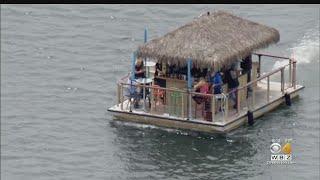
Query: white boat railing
(173, 102)
(263, 86)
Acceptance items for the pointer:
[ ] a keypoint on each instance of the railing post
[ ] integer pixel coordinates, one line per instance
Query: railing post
(118, 94)
(268, 88)
(182, 105)
(294, 74)
(290, 72)
(253, 95)
(121, 93)
(189, 88)
(213, 107)
(226, 108)
(153, 102)
(144, 95)
(259, 67)
(282, 80)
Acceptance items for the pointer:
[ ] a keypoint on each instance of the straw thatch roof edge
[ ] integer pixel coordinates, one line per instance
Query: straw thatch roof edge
(216, 40)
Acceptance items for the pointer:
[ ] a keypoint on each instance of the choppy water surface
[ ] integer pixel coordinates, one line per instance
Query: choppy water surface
(59, 64)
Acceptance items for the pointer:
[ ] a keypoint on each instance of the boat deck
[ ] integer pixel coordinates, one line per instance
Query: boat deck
(221, 118)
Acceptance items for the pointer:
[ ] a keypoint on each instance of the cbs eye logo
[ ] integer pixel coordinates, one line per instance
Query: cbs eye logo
(275, 148)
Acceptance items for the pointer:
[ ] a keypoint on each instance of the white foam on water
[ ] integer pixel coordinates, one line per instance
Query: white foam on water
(279, 64)
(307, 49)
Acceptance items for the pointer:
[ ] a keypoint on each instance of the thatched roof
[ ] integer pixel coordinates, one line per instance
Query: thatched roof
(215, 40)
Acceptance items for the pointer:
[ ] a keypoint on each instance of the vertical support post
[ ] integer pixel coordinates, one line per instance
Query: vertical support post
(118, 93)
(145, 35)
(259, 67)
(121, 95)
(213, 107)
(189, 88)
(254, 94)
(294, 78)
(132, 77)
(290, 72)
(238, 99)
(133, 68)
(145, 59)
(144, 94)
(182, 105)
(268, 88)
(282, 80)
(226, 104)
(153, 102)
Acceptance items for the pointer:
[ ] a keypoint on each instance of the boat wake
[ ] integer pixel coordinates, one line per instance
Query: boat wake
(307, 50)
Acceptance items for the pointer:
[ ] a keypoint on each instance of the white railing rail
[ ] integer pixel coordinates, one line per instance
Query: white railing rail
(184, 94)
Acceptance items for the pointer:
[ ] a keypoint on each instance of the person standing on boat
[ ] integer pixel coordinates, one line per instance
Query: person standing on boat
(233, 83)
(139, 71)
(216, 81)
(132, 92)
(246, 66)
(201, 87)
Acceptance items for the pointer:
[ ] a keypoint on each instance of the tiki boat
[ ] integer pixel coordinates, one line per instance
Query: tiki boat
(172, 65)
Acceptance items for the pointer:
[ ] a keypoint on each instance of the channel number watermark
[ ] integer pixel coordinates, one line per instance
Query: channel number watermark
(281, 152)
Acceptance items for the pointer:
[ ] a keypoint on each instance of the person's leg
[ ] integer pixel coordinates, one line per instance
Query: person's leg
(234, 95)
(249, 77)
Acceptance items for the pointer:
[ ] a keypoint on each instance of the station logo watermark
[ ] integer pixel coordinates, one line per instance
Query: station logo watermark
(281, 152)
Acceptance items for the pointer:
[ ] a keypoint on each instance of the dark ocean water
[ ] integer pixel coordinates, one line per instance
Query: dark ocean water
(59, 64)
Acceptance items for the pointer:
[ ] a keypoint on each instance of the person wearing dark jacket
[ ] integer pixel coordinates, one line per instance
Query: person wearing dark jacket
(246, 66)
(139, 71)
(233, 83)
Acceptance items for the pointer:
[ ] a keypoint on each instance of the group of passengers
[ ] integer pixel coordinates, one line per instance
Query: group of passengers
(209, 82)
(212, 84)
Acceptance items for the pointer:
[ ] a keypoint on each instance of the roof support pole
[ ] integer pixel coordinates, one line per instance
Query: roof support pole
(147, 73)
(132, 77)
(133, 69)
(145, 41)
(189, 88)
(145, 35)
